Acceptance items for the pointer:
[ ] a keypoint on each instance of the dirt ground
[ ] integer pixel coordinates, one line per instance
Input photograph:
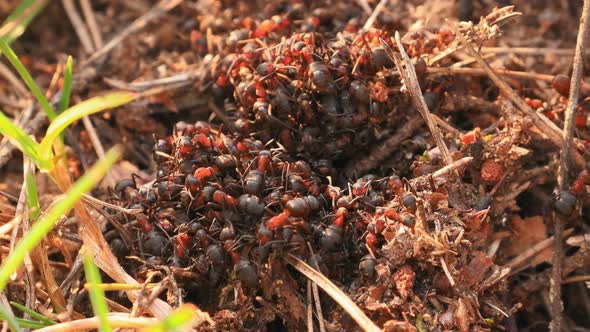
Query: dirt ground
(272, 135)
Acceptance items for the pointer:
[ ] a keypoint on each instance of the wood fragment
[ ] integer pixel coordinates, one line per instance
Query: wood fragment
(443, 263)
(439, 175)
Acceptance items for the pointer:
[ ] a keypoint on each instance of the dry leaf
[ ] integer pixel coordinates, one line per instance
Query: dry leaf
(528, 232)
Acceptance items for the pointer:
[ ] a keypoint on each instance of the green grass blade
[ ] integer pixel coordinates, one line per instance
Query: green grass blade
(74, 113)
(19, 138)
(25, 323)
(46, 223)
(24, 74)
(99, 305)
(20, 18)
(7, 316)
(66, 90)
(32, 198)
(33, 314)
(31, 324)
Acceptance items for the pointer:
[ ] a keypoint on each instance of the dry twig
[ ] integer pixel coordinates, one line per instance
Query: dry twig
(89, 46)
(576, 80)
(533, 251)
(364, 4)
(153, 14)
(91, 22)
(528, 50)
(79, 26)
(565, 166)
(408, 73)
(374, 14)
(16, 83)
(482, 72)
(439, 175)
(316, 297)
(340, 297)
(114, 320)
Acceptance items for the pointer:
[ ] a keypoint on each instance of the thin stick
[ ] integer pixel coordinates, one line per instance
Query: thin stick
(573, 279)
(316, 296)
(342, 299)
(97, 144)
(7, 307)
(18, 215)
(114, 320)
(364, 4)
(528, 50)
(374, 14)
(572, 104)
(89, 47)
(565, 166)
(443, 263)
(20, 88)
(408, 73)
(451, 167)
(91, 22)
(98, 203)
(446, 126)
(309, 308)
(79, 25)
(154, 13)
(441, 173)
(531, 252)
(434, 71)
(482, 72)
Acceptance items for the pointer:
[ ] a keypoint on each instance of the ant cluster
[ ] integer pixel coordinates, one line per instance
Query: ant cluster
(225, 207)
(222, 202)
(322, 98)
